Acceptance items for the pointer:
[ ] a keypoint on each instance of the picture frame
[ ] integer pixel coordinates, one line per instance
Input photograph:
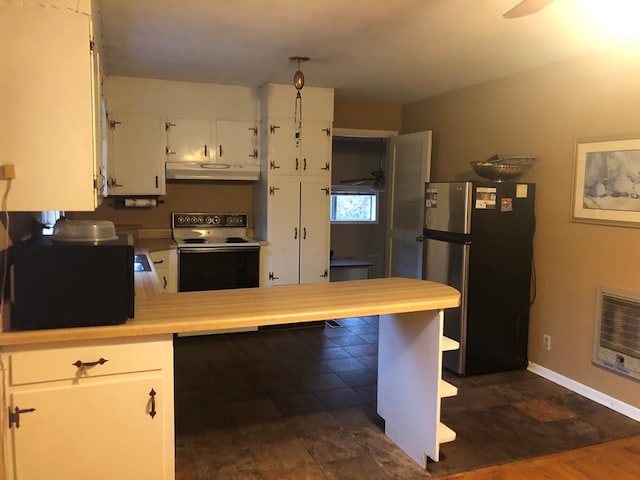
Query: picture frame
(606, 181)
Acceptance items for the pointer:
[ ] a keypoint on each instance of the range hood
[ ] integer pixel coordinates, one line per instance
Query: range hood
(212, 171)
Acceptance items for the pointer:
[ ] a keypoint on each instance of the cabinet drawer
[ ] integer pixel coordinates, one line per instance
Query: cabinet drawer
(86, 360)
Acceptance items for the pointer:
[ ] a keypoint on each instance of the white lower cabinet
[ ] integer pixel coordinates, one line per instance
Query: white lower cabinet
(165, 263)
(298, 231)
(90, 410)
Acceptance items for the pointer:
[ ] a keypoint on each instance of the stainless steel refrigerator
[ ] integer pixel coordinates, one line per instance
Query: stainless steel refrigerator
(478, 238)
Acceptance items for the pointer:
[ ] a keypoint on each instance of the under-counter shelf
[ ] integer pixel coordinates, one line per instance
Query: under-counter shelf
(449, 344)
(447, 390)
(445, 434)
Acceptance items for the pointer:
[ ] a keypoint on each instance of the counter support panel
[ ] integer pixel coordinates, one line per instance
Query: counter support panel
(409, 374)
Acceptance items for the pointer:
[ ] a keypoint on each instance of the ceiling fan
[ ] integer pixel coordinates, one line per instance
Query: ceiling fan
(526, 7)
(375, 179)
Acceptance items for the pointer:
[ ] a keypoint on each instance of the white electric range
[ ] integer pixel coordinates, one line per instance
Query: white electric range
(214, 251)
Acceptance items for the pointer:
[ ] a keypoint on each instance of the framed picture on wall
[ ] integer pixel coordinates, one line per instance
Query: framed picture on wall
(606, 183)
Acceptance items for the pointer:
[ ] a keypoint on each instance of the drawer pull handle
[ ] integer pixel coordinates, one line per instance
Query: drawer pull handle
(152, 410)
(158, 262)
(81, 364)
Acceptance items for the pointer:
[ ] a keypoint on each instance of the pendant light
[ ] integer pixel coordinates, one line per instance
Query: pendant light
(298, 83)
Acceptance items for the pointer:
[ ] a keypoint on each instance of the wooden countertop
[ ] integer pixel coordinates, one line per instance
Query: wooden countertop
(224, 309)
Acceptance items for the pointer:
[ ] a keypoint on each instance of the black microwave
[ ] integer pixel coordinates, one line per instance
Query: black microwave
(59, 284)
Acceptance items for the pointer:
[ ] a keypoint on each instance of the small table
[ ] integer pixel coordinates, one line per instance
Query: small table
(348, 269)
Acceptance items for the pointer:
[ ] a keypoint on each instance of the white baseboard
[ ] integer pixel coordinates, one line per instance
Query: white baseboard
(588, 392)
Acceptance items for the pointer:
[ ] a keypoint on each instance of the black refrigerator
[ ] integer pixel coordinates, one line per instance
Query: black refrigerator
(478, 238)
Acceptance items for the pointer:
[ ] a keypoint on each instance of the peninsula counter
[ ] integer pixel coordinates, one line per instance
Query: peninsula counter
(410, 344)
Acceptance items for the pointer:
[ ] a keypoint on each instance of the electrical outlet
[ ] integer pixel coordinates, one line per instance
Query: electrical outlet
(546, 342)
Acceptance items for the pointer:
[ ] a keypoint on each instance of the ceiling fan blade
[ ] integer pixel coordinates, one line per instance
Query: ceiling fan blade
(526, 7)
(357, 181)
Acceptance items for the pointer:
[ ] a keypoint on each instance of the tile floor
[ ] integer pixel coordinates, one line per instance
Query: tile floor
(299, 403)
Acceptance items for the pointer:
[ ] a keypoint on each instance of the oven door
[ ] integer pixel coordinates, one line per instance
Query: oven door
(203, 268)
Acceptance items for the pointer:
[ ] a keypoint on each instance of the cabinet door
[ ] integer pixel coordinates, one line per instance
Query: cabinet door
(136, 158)
(46, 121)
(284, 152)
(165, 263)
(99, 128)
(314, 222)
(237, 142)
(98, 430)
(283, 232)
(316, 148)
(187, 140)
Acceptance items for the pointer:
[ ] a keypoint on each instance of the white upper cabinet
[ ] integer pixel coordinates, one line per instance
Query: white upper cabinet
(237, 142)
(187, 140)
(222, 141)
(303, 151)
(46, 99)
(210, 132)
(136, 158)
(310, 154)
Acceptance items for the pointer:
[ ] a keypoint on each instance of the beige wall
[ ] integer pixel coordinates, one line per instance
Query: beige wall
(542, 112)
(366, 115)
(182, 196)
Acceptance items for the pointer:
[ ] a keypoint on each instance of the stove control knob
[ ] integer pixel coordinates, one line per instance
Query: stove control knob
(216, 220)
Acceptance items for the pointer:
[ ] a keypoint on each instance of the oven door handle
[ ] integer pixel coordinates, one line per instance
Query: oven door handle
(218, 249)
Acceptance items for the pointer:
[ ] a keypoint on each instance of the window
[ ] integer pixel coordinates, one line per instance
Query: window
(354, 205)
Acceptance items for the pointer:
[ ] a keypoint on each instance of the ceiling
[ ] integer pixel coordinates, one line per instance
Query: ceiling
(377, 50)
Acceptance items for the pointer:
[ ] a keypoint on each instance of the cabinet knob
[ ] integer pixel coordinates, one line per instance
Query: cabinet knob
(304, 163)
(325, 274)
(326, 167)
(273, 190)
(168, 125)
(168, 150)
(273, 165)
(272, 276)
(297, 164)
(326, 190)
(327, 131)
(295, 233)
(254, 154)
(113, 124)
(304, 233)
(254, 130)
(220, 150)
(272, 128)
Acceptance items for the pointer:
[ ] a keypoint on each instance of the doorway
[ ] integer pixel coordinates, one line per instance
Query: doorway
(355, 158)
